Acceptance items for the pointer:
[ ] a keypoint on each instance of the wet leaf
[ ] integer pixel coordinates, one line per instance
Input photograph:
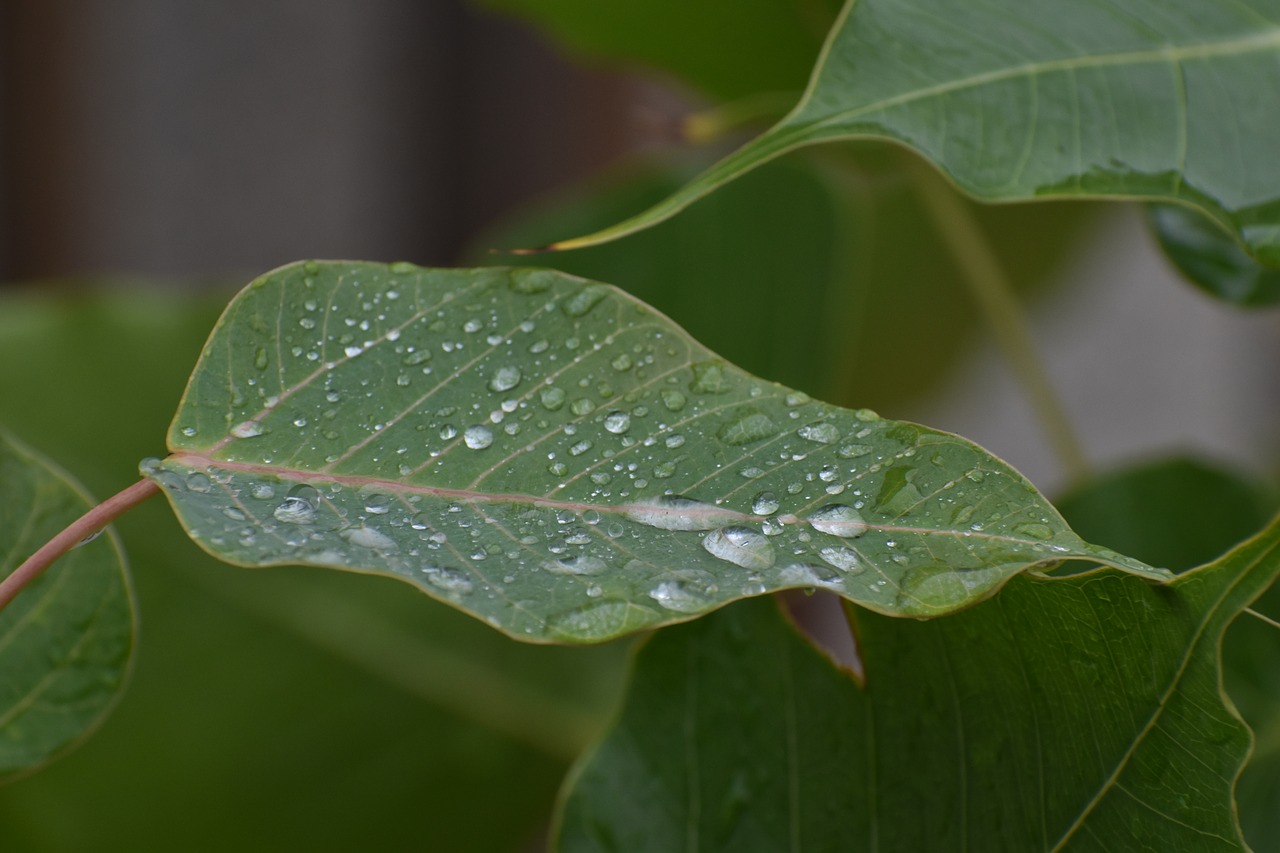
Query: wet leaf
(67, 639)
(1211, 258)
(553, 456)
(1072, 713)
(1018, 100)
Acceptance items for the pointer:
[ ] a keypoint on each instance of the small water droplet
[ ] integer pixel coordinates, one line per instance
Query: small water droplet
(552, 398)
(673, 399)
(853, 451)
(299, 506)
(750, 425)
(416, 357)
(580, 448)
(680, 596)
(353, 350)
(622, 362)
(578, 304)
(378, 504)
(583, 564)
(709, 377)
(842, 558)
(822, 432)
(1034, 529)
(478, 437)
(741, 546)
(674, 440)
(807, 574)
(368, 537)
(247, 429)
(262, 491)
(198, 482)
(449, 580)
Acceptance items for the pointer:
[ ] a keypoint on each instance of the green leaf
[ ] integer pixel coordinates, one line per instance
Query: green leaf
(1072, 713)
(1211, 259)
(67, 639)
(850, 241)
(1017, 100)
(551, 455)
(720, 47)
(434, 731)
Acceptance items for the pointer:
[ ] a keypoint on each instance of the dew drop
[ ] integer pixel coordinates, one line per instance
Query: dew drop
(853, 451)
(578, 304)
(378, 504)
(807, 574)
(617, 422)
(505, 378)
(823, 432)
(449, 580)
(416, 357)
(765, 503)
(674, 512)
(198, 482)
(838, 520)
(247, 429)
(709, 377)
(750, 425)
(552, 398)
(583, 564)
(299, 506)
(478, 437)
(262, 491)
(673, 399)
(678, 596)
(353, 350)
(842, 558)
(741, 546)
(260, 358)
(368, 537)
(581, 406)
(674, 440)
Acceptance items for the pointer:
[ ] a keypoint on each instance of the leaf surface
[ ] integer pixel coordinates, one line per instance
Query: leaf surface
(1211, 259)
(67, 639)
(1018, 100)
(555, 457)
(1080, 713)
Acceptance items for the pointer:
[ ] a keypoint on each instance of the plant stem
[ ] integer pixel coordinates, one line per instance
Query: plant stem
(72, 535)
(994, 294)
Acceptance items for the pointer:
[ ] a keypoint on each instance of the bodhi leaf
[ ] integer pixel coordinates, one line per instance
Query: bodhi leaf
(1211, 259)
(1017, 100)
(555, 457)
(1081, 713)
(67, 639)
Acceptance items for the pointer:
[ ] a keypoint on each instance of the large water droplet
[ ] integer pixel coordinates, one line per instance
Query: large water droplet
(449, 580)
(807, 574)
(674, 512)
(679, 596)
(823, 433)
(765, 503)
(673, 399)
(378, 504)
(299, 506)
(617, 422)
(368, 537)
(247, 429)
(552, 398)
(505, 378)
(478, 437)
(584, 300)
(750, 425)
(741, 546)
(583, 564)
(838, 520)
(842, 558)
(710, 377)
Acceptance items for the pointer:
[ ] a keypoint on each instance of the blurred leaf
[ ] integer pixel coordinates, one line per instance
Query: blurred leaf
(550, 455)
(1017, 100)
(727, 48)
(1178, 513)
(266, 711)
(67, 639)
(823, 275)
(1073, 713)
(1211, 259)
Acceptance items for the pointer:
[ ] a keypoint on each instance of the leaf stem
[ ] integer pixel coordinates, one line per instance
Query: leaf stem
(72, 535)
(994, 294)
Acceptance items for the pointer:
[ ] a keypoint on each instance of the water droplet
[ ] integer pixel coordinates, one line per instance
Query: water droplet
(299, 506)
(262, 491)
(581, 406)
(842, 558)
(580, 448)
(478, 437)
(378, 504)
(680, 596)
(822, 432)
(797, 398)
(710, 377)
(233, 513)
(448, 431)
(198, 482)
(449, 580)
(353, 350)
(750, 425)
(807, 574)
(741, 546)
(765, 503)
(1036, 530)
(838, 520)
(583, 564)
(260, 358)
(622, 362)
(558, 468)
(416, 357)
(853, 451)
(663, 470)
(673, 399)
(578, 304)
(532, 281)
(674, 512)
(617, 422)
(368, 537)
(189, 432)
(674, 440)
(552, 398)
(247, 429)
(505, 378)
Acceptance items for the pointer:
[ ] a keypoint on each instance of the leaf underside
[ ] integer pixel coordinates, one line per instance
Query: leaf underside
(1018, 100)
(553, 456)
(67, 639)
(1080, 713)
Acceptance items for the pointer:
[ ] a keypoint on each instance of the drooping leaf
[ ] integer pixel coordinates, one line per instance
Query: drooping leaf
(553, 456)
(1018, 100)
(1074, 713)
(1211, 259)
(1178, 513)
(722, 48)
(323, 711)
(842, 253)
(67, 639)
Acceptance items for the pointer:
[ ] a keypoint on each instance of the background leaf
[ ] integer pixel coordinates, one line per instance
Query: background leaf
(1017, 100)
(725, 48)
(998, 728)
(322, 711)
(552, 456)
(840, 251)
(1211, 259)
(1182, 512)
(67, 639)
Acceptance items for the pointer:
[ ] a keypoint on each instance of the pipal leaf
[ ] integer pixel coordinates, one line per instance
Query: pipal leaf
(1211, 259)
(1080, 713)
(67, 639)
(553, 456)
(1016, 99)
